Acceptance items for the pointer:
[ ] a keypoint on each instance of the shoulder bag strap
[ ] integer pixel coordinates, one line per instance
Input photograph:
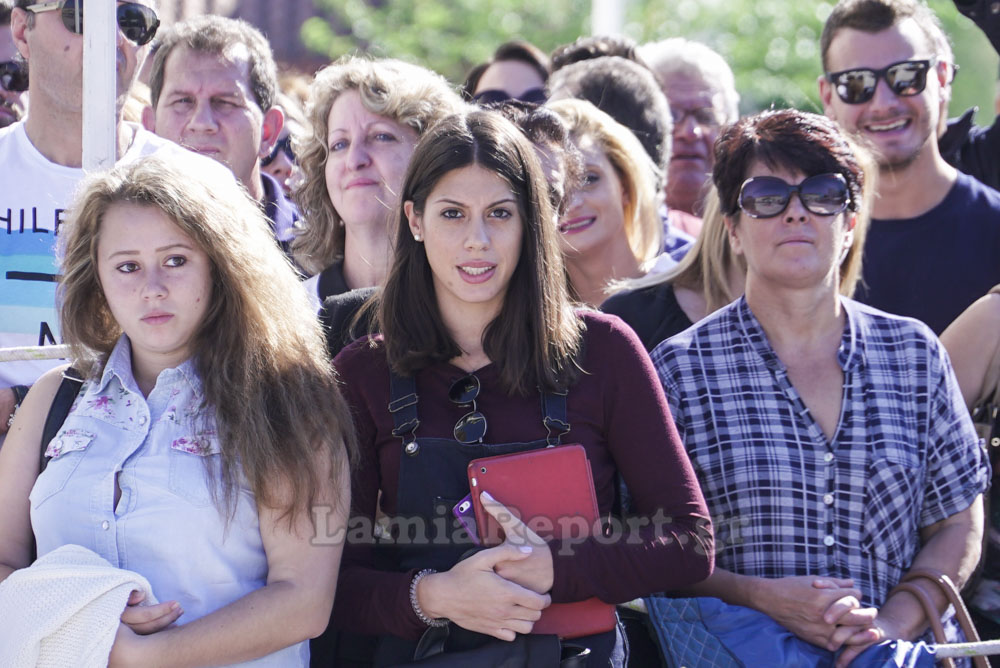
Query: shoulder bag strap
(61, 403)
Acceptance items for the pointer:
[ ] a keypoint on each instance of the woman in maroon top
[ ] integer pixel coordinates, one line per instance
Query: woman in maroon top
(483, 354)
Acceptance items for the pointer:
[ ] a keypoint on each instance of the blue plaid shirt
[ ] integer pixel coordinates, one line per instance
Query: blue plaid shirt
(785, 500)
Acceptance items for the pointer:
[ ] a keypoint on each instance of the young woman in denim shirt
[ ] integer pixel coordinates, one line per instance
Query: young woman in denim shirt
(207, 432)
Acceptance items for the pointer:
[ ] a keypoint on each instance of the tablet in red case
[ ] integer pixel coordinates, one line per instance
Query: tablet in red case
(552, 491)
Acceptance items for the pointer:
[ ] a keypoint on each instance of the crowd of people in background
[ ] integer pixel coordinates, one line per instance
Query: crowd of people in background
(297, 308)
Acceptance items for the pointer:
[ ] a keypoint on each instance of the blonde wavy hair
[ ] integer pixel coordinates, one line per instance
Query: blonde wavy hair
(634, 167)
(705, 267)
(408, 94)
(260, 352)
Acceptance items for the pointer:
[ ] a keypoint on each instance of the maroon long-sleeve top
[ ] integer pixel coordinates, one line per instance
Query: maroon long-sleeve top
(616, 410)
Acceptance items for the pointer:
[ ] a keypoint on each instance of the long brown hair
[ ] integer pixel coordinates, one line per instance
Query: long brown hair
(534, 339)
(259, 351)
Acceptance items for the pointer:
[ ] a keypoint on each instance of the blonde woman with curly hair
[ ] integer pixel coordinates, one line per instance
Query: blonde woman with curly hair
(612, 229)
(366, 117)
(208, 430)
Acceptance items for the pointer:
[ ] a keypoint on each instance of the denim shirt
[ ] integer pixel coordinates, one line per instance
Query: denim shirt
(166, 525)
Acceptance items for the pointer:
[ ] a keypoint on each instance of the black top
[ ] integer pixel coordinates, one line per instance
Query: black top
(331, 281)
(933, 266)
(337, 317)
(653, 313)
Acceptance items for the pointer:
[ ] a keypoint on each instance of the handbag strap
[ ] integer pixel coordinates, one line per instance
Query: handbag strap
(70, 386)
(947, 587)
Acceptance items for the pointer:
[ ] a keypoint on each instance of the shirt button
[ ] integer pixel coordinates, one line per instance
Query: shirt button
(412, 448)
(828, 457)
(828, 541)
(142, 420)
(828, 499)
(105, 524)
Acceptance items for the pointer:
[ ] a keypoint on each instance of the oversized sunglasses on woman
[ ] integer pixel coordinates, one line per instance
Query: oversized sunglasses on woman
(768, 196)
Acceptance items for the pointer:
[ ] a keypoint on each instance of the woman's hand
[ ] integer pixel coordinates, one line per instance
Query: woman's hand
(149, 618)
(533, 571)
(473, 596)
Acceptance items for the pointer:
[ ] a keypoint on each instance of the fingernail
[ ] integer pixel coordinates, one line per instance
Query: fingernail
(486, 496)
(525, 548)
(175, 606)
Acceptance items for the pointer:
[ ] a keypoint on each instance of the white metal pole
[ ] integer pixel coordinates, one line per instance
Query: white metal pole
(607, 17)
(100, 84)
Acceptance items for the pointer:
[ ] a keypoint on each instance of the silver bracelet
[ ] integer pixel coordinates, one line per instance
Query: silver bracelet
(416, 605)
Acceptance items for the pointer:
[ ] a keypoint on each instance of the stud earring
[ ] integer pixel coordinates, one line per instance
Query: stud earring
(417, 237)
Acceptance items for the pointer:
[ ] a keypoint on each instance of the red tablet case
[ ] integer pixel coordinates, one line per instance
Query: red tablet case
(552, 491)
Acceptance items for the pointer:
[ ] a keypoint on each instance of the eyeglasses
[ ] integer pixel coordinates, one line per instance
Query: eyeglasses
(13, 76)
(283, 145)
(137, 22)
(905, 78)
(471, 427)
(494, 96)
(706, 117)
(768, 196)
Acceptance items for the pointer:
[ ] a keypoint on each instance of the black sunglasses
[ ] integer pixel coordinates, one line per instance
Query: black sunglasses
(13, 76)
(494, 96)
(768, 196)
(471, 427)
(137, 22)
(285, 146)
(905, 78)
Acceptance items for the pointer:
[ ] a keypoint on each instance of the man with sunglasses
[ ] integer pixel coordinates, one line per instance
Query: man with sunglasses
(214, 84)
(935, 236)
(13, 73)
(40, 163)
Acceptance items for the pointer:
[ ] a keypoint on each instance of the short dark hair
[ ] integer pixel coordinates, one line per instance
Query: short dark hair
(5, 8)
(596, 46)
(798, 141)
(518, 50)
(534, 339)
(784, 138)
(545, 128)
(873, 16)
(218, 35)
(626, 91)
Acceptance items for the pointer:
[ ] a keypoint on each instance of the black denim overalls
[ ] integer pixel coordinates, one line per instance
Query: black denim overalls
(432, 479)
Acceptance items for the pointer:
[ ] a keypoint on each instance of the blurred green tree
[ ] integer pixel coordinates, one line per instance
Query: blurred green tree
(772, 45)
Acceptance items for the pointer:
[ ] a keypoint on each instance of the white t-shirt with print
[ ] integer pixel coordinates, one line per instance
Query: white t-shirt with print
(34, 196)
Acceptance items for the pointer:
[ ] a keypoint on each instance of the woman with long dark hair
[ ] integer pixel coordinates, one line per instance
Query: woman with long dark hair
(475, 312)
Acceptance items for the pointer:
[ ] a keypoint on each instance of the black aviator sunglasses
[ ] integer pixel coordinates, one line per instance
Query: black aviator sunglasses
(137, 22)
(471, 427)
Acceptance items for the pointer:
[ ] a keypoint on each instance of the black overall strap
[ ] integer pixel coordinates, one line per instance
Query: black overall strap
(554, 416)
(403, 407)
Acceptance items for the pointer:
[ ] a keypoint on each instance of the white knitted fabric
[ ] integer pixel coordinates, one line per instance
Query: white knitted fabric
(64, 610)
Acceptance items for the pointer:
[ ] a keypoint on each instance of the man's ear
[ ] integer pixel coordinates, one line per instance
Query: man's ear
(19, 20)
(826, 95)
(149, 118)
(270, 128)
